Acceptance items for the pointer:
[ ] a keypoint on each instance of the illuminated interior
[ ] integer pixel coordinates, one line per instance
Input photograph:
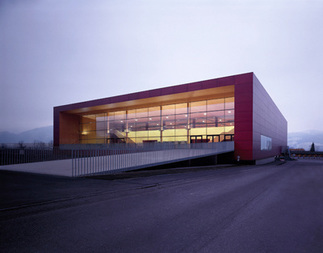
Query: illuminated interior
(207, 120)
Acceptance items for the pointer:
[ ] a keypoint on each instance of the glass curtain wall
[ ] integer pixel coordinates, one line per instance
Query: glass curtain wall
(201, 121)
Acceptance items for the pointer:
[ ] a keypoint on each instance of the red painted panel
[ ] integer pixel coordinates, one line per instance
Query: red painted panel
(195, 86)
(154, 93)
(243, 126)
(143, 94)
(224, 81)
(210, 84)
(245, 97)
(243, 119)
(267, 121)
(243, 116)
(167, 91)
(244, 78)
(181, 88)
(132, 96)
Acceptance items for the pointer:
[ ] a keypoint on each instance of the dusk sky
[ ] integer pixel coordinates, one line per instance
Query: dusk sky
(56, 52)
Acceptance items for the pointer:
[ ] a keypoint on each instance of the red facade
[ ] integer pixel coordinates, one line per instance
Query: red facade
(256, 114)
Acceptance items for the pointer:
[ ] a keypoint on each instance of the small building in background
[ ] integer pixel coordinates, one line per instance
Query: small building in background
(234, 108)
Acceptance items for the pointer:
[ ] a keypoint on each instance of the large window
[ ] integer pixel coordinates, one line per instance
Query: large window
(266, 143)
(198, 121)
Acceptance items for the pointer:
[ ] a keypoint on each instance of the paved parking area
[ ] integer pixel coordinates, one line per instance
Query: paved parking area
(268, 208)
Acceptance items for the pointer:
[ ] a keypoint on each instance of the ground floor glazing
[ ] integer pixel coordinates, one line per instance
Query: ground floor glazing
(209, 120)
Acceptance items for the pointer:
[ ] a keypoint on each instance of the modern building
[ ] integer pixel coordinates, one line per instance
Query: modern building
(234, 108)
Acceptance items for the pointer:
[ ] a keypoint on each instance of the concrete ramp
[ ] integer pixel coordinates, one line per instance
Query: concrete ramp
(121, 160)
(57, 168)
(100, 164)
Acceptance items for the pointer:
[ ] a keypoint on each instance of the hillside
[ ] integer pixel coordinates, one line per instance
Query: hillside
(42, 134)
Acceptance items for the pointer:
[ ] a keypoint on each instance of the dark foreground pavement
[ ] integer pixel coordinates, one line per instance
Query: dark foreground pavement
(269, 208)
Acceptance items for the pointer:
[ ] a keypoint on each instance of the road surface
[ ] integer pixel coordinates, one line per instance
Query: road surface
(268, 208)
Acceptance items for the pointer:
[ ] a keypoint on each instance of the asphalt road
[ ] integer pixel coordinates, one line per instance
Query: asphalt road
(269, 208)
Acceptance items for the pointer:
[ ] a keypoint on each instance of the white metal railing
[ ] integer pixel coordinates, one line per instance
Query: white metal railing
(114, 158)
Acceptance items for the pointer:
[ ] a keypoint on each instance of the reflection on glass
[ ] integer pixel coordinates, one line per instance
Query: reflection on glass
(131, 114)
(168, 109)
(229, 103)
(199, 106)
(215, 104)
(199, 121)
(141, 113)
(181, 108)
(154, 111)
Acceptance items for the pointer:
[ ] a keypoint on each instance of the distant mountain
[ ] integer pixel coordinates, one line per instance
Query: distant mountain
(42, 134)
(305, 139)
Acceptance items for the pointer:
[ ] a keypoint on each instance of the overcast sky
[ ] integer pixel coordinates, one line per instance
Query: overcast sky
(55, 52)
